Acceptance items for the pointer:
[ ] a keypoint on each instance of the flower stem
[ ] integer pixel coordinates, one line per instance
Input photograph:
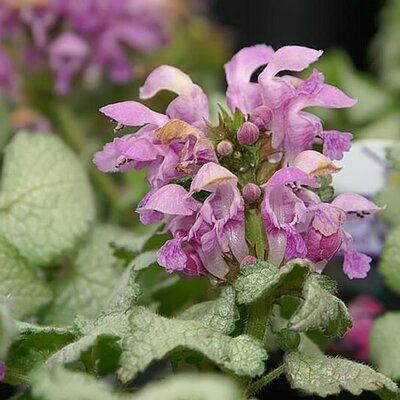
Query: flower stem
(257, 318)
(258, 385)
(255, 232)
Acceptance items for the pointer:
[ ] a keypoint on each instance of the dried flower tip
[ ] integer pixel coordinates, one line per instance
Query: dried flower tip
(225, 148)
(251, 192)
(248, 133)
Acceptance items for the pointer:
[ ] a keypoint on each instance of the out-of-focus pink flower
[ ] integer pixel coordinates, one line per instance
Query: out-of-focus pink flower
(90, 37)
(2, 370)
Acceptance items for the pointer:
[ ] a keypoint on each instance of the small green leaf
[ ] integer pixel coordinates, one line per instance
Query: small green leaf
(385, 344)
(389, 263)
(324, 376)
(46, 203)
(8, 329)
(20, 283)
(94, 275)
(61, 384)
(34, 345)
(144, 260)
(264, 279)
(220, 314)
(288, 340)
(152, 338)
(320, 310)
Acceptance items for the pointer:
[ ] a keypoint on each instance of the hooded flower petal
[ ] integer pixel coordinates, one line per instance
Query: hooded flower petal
(327, 218)
(171, 199)
(242, 93)
(314, 163)
(246, 61)
(210, 176)
(110, 159)
(290, 58)
(138, 148)
(191, 105)
(132, 113)
(355, 205)
(290, 175)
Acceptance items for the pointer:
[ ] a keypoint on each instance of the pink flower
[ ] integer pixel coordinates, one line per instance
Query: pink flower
(276, 103)
(89, 37)
(2, 370)
(207, 219)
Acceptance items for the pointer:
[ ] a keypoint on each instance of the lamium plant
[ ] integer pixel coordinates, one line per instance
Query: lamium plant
(245, 203)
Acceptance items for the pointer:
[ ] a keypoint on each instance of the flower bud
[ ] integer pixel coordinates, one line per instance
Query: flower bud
(251, 192)
(225, 148)
(261, 117)
(248, 133)
(248, 260)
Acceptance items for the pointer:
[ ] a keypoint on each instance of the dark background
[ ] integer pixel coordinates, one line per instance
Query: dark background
(321, 24)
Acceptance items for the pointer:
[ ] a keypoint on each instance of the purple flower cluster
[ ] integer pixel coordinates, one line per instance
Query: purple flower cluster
(87, 37)
(205, 179)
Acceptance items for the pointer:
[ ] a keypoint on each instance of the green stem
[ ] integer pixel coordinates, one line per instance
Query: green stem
(255, 232)
(257, 318)
(258, 385)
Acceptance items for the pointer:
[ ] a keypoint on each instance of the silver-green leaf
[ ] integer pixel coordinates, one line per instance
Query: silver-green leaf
(8, 329)
(46, 203)
(324, 376)
(153, 337)
(93, 277)
(19, 283)
(220, 314)
(264, 279)
(320, 310)
(60, 384)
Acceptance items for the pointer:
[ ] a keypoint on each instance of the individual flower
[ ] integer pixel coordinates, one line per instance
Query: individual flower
(204, 179)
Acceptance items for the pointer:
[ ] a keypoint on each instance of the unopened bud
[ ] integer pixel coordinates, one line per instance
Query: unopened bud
(251, 192)
(261, 117)
(248, 260)
(225, 148)
(248, 133)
